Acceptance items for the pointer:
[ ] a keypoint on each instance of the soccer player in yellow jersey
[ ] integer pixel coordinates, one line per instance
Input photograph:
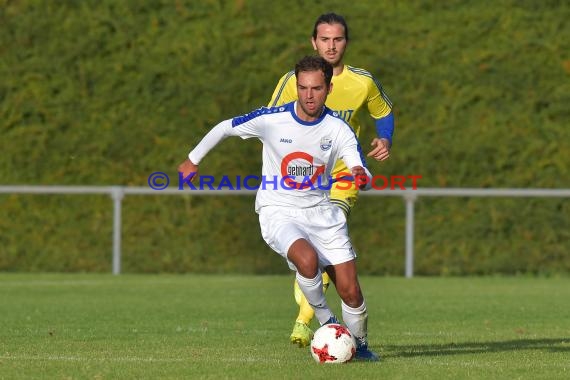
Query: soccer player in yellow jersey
(353, 89)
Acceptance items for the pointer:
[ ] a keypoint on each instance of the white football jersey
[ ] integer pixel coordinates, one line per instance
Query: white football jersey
(298, 156)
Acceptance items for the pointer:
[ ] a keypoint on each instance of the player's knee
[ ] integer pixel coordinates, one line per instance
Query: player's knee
(307, 266)
(303, 255)
(307, 272)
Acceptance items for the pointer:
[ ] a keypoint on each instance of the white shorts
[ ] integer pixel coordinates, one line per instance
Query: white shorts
(323, 226)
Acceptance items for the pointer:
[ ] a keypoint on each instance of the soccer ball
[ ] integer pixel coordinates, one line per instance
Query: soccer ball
(333, 343)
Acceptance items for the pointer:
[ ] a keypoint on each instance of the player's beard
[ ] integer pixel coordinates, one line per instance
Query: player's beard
(335, 60)
(313, 112)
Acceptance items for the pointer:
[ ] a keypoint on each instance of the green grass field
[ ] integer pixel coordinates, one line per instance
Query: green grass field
(84, 326)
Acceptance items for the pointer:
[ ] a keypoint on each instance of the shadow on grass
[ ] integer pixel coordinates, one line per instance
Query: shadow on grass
(550, 345)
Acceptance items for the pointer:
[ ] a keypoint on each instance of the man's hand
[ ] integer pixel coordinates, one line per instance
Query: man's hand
(188, 168)
(381, 150)
(360, 177)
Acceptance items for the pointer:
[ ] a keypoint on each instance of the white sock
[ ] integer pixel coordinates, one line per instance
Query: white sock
(356, 320)
(313, 290)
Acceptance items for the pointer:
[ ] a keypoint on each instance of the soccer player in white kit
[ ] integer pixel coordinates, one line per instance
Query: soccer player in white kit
(355, 90)
(302, 142)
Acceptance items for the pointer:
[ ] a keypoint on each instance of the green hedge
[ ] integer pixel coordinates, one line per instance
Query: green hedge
(107, 92)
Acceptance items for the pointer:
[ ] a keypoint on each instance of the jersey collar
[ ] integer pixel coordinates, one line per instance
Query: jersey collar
(308, 123)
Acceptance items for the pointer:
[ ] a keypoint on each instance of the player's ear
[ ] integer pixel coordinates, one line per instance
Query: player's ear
(330, 87)
(314, 44)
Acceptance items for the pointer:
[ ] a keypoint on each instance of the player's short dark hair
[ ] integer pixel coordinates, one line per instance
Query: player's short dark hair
(330, 18)
(315, 63)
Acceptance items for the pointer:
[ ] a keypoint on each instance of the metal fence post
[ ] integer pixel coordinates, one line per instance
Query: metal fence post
(410, 199)
(117, 193)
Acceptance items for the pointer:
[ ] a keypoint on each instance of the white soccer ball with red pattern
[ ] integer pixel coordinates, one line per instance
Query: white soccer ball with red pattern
(333, 343)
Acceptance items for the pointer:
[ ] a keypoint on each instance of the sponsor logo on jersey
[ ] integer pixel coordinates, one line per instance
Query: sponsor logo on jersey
(298, 170)
(300, 164)
(287, 141)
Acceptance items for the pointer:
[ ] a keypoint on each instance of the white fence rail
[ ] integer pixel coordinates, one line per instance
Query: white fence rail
(117, 193)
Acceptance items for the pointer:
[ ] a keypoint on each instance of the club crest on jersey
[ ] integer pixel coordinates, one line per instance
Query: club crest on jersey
(326, 143)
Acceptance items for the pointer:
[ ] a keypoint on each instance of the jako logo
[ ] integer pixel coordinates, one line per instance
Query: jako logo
(288, 141)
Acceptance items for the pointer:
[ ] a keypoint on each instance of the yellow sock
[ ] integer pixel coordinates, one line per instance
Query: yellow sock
(306, 312)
